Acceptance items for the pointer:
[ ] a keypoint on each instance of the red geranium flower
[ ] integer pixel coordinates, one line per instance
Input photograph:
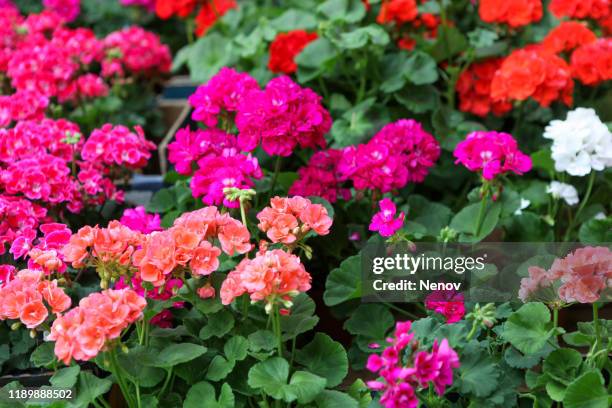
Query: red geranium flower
(167, 8)
(592, 63)
(533, 72)
(210, 12)
(581, 8)
(515, 13)
(474, 89)
(399, 11)
(284, 49)
(567, 36)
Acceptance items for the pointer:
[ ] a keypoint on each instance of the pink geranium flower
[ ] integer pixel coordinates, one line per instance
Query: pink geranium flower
(450, 304)
(385, 221)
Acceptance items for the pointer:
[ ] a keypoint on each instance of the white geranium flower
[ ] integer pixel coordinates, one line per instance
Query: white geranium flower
(581, 143)
(565, 191)
(524, 204)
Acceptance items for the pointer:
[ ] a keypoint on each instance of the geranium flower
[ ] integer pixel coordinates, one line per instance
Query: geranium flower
(515, 13)
(384, 221)
(284, 49)
(565, 191)
(491, 153)
(581, 143)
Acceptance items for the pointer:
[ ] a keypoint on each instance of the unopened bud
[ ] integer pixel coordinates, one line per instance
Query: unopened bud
(15, 325)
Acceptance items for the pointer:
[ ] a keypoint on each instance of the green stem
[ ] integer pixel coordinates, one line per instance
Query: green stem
(116, 370)
(481, 212)
(596, 325)
(166, 382)
(472, 331)
(555, 319)
(582, 205)
(277, 330)
(243, 212)
(400, 310)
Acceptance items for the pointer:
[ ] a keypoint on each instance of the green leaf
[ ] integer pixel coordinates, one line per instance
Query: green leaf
(529, 328)
(370, 320)
(350, 11)
(449, 42)
(480, 37)
(335, 399)
(271, 376)
(359, 38)
(301, 319)
(595, 231)
(587, 391)
(262, 340)
(516, 359)
(43, 355)
(218, 325)
(162, 201)
(421, 69)
(466, 219)
(344, 282)
(326, 358)
(202, 395)
(219, 368)
(236, 348)
(90, 387)
(560, 368)
(178, 353)
(318, 57)
(542, 160)
(478, 373)
(418, 99)
(304, 387)
(65, 377)
(208, 55)
(292, 19)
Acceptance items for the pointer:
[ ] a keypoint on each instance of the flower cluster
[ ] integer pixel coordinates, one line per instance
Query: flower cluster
(136, 51)
(397, 11)
(533, 72)
(45, 254)
(206, 17)
(284, 49)
(594, 9)
(567, 36)
(137, 219)
(474, 89)
(69, 10)
(84, 331)
(491, 153)
(591, 63)
(321, 177)
(98, 246)
(514, 13)
(129, 149)
(581, 143)
(583, 276)
(270, 276)
(287, 220)
(220, 164)
(449, 304)
(221, 96)
(399, 153)
(22, 105)
(402, 376)
(385, 221)
(49, 161)
(28, 297)
(281, 117)
(19, 219)
(187, 245)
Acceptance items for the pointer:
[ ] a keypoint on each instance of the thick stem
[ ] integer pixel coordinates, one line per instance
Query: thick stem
(277, 330)
(596, 325)
(116, 370)
(473, 331)
(482, 211)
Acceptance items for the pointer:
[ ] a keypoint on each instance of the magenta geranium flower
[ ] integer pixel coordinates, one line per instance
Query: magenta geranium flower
(385, 221)
(491, 153)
